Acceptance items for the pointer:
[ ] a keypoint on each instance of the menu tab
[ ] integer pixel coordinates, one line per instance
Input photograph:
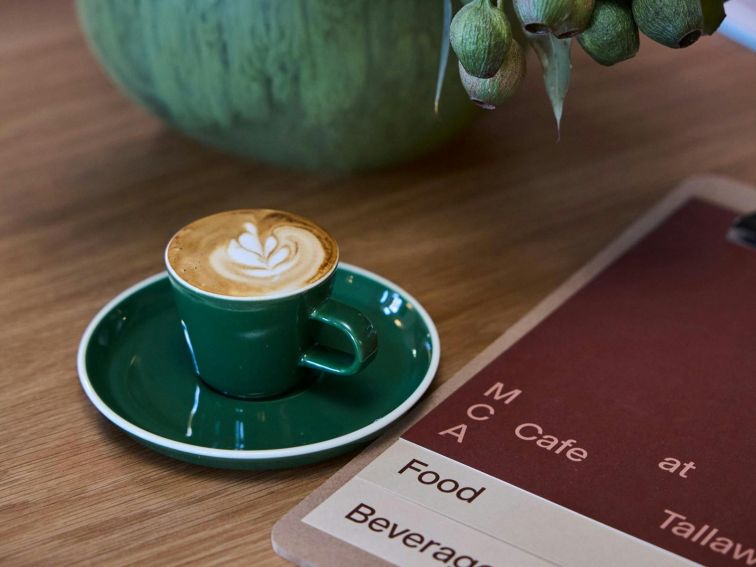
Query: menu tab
(388, 498)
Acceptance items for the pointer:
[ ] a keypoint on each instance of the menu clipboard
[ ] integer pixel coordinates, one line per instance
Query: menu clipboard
(615, 424)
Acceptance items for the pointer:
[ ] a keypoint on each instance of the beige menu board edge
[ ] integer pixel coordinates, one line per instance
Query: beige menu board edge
(306, 545)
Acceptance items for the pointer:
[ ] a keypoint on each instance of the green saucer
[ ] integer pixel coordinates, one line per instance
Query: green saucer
(135, 368)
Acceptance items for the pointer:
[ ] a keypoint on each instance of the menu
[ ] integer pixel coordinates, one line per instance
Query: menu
(619, 430)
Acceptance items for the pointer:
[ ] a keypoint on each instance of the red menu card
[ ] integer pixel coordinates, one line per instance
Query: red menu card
(634, 403)
(619, 430)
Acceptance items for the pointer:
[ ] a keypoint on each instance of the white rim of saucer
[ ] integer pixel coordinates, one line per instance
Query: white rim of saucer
(258, 454)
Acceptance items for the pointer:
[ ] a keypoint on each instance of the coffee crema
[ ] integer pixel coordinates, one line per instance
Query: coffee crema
(252, 253)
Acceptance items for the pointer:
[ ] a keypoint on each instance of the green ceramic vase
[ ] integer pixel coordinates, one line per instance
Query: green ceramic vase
(323, 84)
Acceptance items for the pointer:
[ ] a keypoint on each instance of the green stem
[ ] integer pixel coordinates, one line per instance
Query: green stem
(444, 57)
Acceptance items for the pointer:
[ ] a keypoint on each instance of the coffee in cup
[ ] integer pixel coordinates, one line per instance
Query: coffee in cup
(252, 288)
(252, 253)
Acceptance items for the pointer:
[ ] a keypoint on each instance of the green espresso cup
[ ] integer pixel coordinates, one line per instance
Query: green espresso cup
(252, 288)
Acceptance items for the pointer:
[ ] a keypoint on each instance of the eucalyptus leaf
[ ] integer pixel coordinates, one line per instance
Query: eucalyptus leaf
(554, 55)
(713, 14)
(444, 57)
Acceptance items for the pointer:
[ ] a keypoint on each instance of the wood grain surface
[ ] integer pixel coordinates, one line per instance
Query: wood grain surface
(91, 187)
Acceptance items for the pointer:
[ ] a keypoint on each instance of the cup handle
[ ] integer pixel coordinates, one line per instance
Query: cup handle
(355, 326)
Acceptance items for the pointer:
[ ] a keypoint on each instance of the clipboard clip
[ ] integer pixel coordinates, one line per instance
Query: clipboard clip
(743, 231)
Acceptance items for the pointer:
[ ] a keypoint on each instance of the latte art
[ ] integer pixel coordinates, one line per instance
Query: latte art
(252, 253)
(289, 254)
(254, 258)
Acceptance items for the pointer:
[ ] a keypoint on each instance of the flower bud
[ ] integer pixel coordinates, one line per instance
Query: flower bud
(490, 93)
(563, 18)
(612, 35)
(674, 23)
(480, 35)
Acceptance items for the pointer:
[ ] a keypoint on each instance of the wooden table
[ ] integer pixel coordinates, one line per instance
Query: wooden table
(91, 187)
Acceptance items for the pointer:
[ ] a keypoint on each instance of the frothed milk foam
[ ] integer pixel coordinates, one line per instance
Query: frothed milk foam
(252, 253)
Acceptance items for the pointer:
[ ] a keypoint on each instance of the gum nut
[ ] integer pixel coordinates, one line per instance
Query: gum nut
(612, 35)
(674, 23)
(563, 18)
(490, 93)
(480, 35)
(577, 21)
(537, 16)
